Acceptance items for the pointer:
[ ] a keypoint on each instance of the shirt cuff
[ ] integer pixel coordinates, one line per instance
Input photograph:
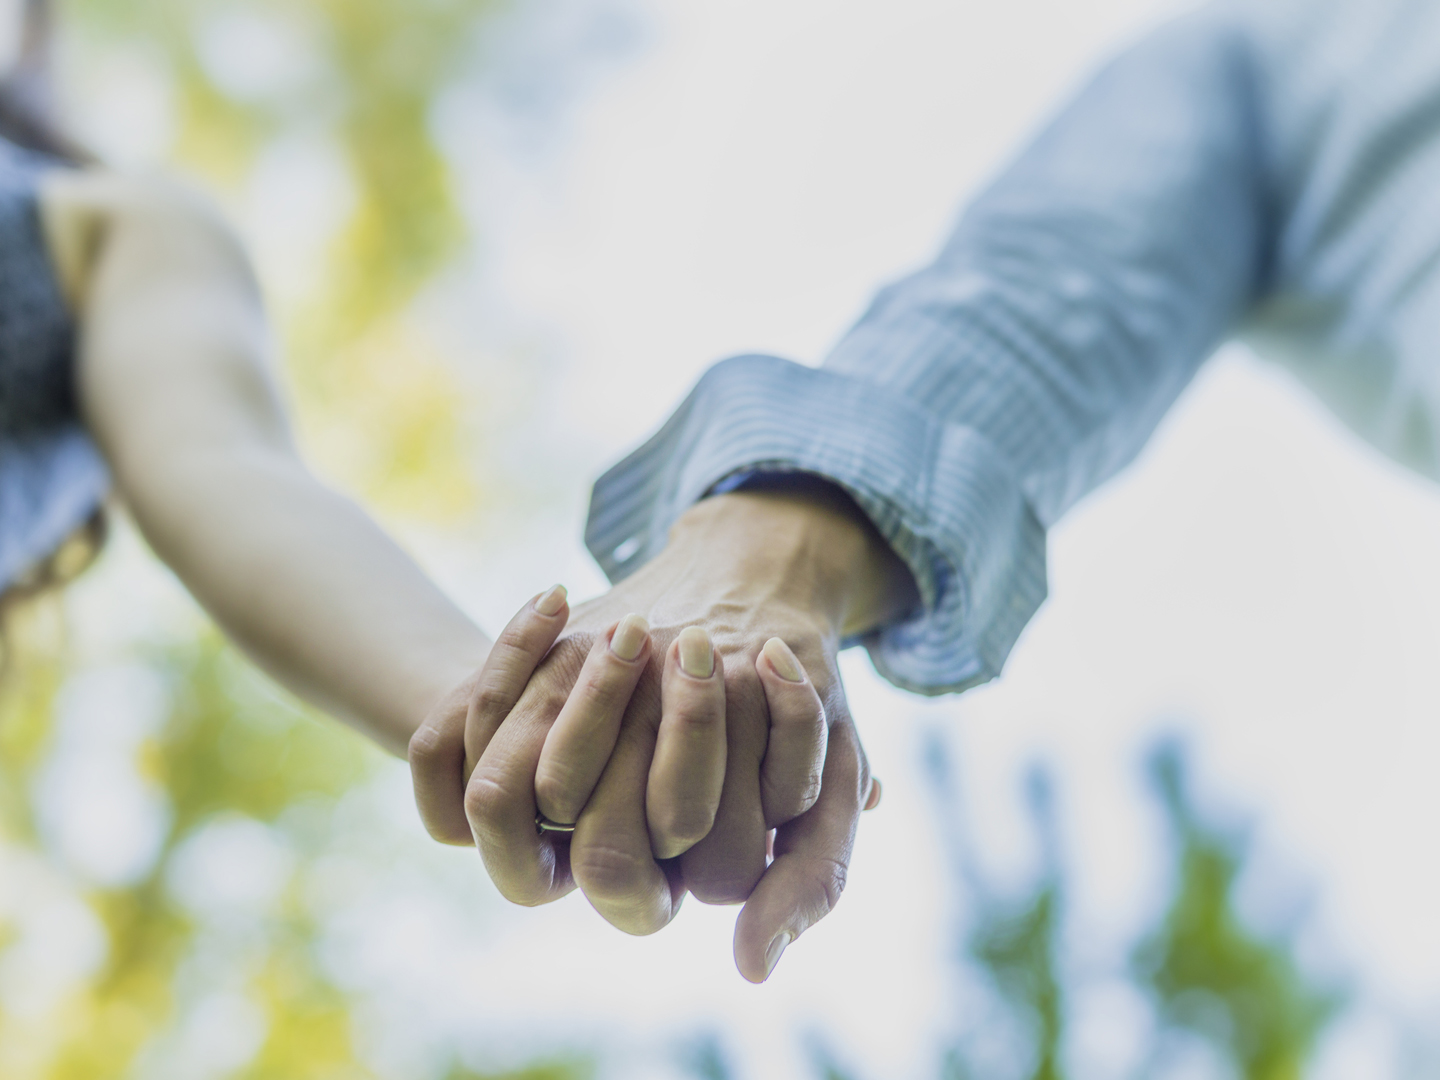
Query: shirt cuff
(941, 494)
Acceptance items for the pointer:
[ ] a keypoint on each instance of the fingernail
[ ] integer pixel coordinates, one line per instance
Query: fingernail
(873, 800)
(776, 950)
(697, 657)
(783, 660)
(629, 637)
(552, 601)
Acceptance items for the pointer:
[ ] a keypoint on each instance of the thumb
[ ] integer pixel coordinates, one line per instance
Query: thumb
(812, 860)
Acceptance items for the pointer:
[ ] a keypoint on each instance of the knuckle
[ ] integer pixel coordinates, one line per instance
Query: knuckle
(491, 698)
(555, 794)
(828, 877)
(605, 688)
(698, 714)
(486, 798)
(786, 802)
(808, 797)
(799, 710)
(523, 893)
(684, 824)
(568, 656)
(445, 833)
(547, 703)
(515, 637)
(722, 881)
(608, 872)
(721, 891)
(427, 748)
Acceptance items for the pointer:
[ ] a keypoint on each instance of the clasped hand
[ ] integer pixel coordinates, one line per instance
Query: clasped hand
(703, 746)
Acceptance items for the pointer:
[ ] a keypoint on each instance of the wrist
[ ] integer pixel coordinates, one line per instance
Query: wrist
(805, 544)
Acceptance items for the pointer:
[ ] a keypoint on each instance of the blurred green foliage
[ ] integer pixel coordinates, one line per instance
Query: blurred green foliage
(553, 1071)
(228, 745)
(1211, 974)
(368, 72)
(705, 1059)
(1016, 944)
(1204, 970)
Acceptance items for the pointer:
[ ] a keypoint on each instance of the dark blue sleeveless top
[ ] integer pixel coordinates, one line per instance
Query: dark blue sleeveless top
(52, 478)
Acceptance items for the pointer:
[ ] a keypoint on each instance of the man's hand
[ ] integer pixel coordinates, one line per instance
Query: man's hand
(800, 568)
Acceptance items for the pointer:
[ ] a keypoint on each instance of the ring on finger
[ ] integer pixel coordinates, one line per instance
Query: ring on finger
(543, 825)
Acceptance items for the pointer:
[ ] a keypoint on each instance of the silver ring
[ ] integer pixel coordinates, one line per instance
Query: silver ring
(543, 825)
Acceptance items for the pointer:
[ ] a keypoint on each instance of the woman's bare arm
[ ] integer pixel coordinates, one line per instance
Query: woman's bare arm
(174, 383)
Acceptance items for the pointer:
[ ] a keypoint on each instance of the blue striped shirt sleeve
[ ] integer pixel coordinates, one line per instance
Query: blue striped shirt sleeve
(978, 399)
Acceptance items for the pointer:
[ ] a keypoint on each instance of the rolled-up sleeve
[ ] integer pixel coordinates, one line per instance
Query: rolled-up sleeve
(978, 399)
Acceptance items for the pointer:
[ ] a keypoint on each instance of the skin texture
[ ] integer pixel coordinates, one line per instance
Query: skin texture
(801, 566)
(175, 385)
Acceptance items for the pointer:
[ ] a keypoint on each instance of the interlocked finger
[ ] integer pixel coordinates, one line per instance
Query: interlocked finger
(526, 867)
(437, 767)
(610, 853)
(812, 858)
(445, 747)
(795, 752)
(517, 652)
(688, 771)
(583, 736)
(724, 867)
